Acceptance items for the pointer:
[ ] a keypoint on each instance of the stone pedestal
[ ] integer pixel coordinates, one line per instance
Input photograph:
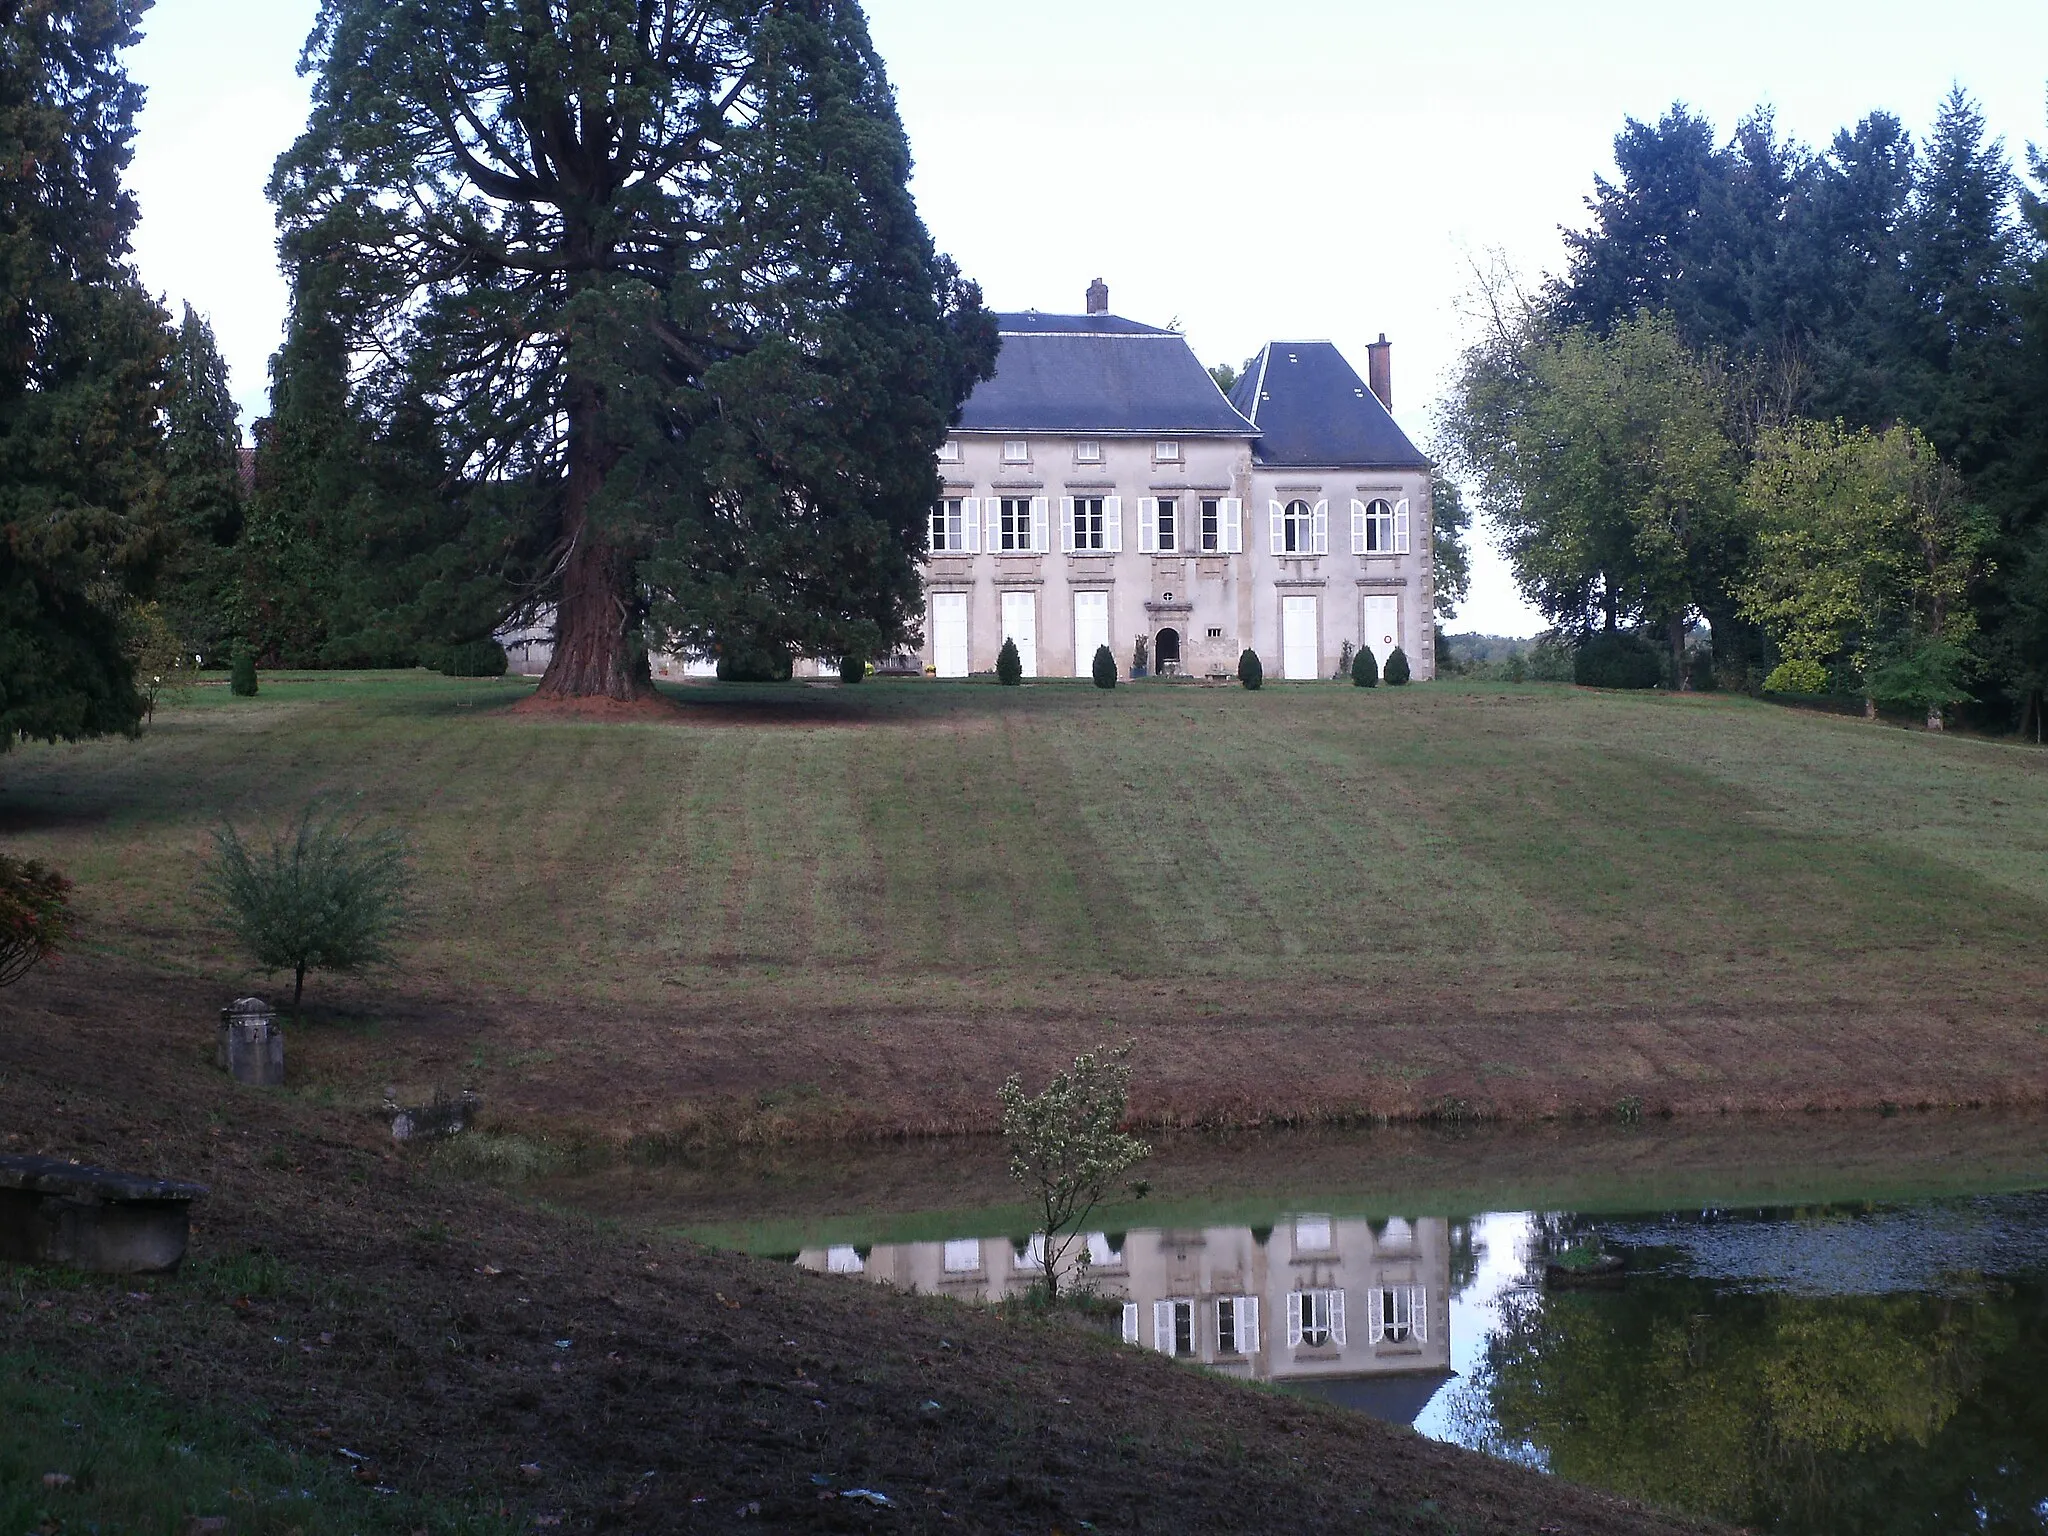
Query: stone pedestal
(251, 1043)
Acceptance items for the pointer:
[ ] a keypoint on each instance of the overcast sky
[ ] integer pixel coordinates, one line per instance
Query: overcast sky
(1290, 169)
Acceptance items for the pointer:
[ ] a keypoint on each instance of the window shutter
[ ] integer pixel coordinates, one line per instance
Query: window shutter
(1358, 527)
(1233, 526)
(1418, 1313)
(1113, 524)
(1067, 524)
(970, 525)
(1322, 527)
(1279, 528)
(1130, 1322)
(1041, 515)
(1162, 1327)
(1401, 526)
(1337, 1318)
(1248, 1325)
(1295, 1303)
(993, 506)
(1376, 1303)
(1148, 525)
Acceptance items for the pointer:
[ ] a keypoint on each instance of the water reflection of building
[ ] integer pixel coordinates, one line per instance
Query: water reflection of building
(1356, 1311)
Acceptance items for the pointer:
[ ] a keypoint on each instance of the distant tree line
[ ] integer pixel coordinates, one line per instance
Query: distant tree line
(1798, 396)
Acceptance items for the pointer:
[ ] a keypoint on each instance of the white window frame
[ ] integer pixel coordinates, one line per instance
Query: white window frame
(1013, 525)
(1168, 1314)
(1400, 1313)
(1166, 525)
(949, 452)
(962, 1256)
(1307, 529)
(1401, 526)
(948, 514)
(970, 525)
(1166, 451)
(1237, 1325)
(1106, 536)
(1315, 1319)
(1041, 524)
(1016, 450)
(1087, 451)
(1373, 525)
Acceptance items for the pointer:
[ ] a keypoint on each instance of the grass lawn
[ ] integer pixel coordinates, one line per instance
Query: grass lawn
(823, 909)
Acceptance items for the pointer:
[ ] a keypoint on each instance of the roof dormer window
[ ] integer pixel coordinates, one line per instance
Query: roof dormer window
(1016, 451)
(1166, 453)
(1087, 453)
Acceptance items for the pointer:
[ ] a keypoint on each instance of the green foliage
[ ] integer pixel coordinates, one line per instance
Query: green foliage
(82, 352)
(162, 665)
(1797, 676)
(1345, 654)
(1141, 651)
(642, 396)
(203, 502)
(1365, 669)
(1928, 673)
(853, 668)
(1103, 667)
(476, 658)
(35, 915)
(1250, 670)
(1397, 668)
(1450, 559)
(1010, 665)
(242, 680)
(1623, 659)
(1066, 1147)
(754, 659)
(322, 896)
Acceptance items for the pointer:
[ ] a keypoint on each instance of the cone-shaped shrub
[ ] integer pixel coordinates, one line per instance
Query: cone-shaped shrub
(242, 677)
(1009, 665)
(1250, 671)
(1104, 667)
(853, 669)
(1397, 667)
(1365, 672)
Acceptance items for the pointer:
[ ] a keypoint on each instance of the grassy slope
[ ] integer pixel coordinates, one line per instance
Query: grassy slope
(865, 907)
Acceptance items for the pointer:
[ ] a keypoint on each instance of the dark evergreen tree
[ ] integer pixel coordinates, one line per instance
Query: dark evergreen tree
(202, 491)
(655, 268)
(1010, 665)
(82, 351)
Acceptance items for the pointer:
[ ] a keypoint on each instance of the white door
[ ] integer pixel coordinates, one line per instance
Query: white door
(1382, 626)
(1091, 629)
(1300, 655)
(1020, 623)
(949, 633)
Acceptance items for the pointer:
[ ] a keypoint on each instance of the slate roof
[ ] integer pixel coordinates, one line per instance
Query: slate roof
(1098, 374)
(1391, 1399)
(1312, 409)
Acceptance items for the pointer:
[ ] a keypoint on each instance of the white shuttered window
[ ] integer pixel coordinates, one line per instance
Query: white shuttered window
(1400, 1313)
(1041, 532)
(1130, 1322)
(1233, 526)
(1113, 523)
(1322, 533)
(1314, 1319)
(1401, 526)
(1237, 1325)
(1173, 1328)
(1279, 515)
(1148, 525)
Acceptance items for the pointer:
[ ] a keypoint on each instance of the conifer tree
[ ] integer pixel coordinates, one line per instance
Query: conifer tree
(82, 350)
(202, 490)
(654, 267)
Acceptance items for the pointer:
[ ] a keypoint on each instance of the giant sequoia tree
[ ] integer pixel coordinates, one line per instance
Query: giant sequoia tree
(82, 349)
(651, 273)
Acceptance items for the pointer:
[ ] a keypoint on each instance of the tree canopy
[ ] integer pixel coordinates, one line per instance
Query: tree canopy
(648, 280)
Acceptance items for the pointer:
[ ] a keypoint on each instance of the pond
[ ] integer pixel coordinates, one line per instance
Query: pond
(1828, 1325)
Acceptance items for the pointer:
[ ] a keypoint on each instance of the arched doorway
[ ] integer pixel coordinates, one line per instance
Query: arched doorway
(1166, 652)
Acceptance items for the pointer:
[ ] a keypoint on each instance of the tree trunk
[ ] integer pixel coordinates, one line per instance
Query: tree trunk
(1676, 629)
(593, 656)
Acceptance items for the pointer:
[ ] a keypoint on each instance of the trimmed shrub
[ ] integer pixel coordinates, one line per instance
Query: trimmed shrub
(1250, 670)
(1365, 671)
(1104, 667)
(1346, 658)
(474, 658)
(1009, 665)
(1620, 660)
(242, 677)
(1797, 677)
(853, 669)
(740, 661)
(1397, 668)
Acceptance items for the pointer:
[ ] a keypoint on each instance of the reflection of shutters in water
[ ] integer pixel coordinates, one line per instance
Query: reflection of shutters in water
(1091, 629)
(1130, 1322)
(1237, 1325)
(1173, 1328)
(1299, 652)
(1399, 1314)
(949, 633)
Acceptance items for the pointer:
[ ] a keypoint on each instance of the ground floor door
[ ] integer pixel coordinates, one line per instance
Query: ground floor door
(949, 633)
(1166, 653)
(1382, 627)
(1300, 652)
(1091, 629)
(1020, 623)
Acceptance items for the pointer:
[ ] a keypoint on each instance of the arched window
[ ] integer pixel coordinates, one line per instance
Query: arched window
(1379, 527)
(1299, 525)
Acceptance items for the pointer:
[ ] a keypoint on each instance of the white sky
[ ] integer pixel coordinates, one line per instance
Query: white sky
(1295, 168)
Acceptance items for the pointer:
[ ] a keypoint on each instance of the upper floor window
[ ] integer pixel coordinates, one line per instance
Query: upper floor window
(1094, 523)
(1087, 453)
(1158, 525)
(949, 452)
(1222, 530)
(1301, 529)
(1014, 531)
(949, 532)
(1379, 527)
(1400, 1314)
(1166, 453)
(1016, 451)
(1315, 1318)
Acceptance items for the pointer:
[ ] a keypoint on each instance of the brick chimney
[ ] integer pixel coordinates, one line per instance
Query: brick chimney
(1098, 297)
(1379, 371)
